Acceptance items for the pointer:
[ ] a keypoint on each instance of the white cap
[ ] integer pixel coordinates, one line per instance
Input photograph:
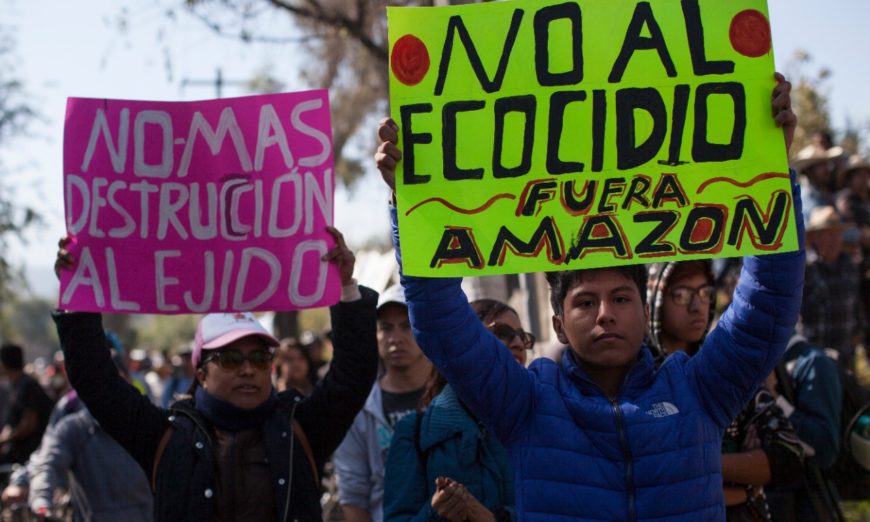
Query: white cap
(393, 294)
(218, 330)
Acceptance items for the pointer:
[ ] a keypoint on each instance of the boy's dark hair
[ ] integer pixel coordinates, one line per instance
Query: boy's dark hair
(12, 357)
(561, 282)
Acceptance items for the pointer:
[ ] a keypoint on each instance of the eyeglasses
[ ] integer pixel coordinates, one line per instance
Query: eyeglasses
(506, 334)
(682, 295)
(233, 360)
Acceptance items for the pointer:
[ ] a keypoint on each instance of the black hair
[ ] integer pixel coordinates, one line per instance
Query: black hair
(194, 384)
(826, 137)
(291, 343)
(488, 309)
(12, 357)
(562, 282)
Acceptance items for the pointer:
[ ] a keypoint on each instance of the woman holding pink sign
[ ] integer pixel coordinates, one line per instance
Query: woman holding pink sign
(236, 450)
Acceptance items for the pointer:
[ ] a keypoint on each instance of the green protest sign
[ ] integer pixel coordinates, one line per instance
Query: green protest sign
(549, 135)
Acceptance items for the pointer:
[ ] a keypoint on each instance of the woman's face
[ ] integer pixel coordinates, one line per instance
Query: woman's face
(294, 366)
(515, 345)
(245, 387)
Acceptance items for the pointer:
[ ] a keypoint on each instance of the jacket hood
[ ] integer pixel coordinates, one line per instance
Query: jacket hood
(445, 418)
(374, 405)
(658, 280)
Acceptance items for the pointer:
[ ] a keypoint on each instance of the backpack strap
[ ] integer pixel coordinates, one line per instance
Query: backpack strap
(303, 440)
(164, 440)
(783, 379)
(820, 490)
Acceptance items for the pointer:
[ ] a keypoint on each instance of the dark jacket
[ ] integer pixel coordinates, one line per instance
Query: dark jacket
(811, 392)
(763, 425)
(818, 399)
(450, 443)
(183, 472)
(26, 396)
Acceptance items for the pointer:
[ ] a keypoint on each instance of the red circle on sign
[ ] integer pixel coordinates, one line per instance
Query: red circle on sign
(750, 33)
(410, 60)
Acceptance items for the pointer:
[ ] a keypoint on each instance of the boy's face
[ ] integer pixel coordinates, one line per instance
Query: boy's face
(396, 344)
(603, 320)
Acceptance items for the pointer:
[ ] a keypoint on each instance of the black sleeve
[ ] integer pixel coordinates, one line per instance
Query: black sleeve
(327, 414)
(125, 414)
(33, 398)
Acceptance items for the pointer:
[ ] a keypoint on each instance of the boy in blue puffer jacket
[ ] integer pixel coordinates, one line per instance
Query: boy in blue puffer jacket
(605, 435)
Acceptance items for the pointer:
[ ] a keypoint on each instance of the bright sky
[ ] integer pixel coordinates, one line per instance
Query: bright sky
(67, 49)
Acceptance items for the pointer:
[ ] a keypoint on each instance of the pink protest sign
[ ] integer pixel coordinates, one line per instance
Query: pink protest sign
(192, 207)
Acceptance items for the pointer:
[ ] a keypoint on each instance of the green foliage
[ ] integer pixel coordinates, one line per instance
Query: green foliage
(165, 332)
(27, 321)
(810, 95)
(856, 511)
(315, 320)
(345, 45)
(15, 115)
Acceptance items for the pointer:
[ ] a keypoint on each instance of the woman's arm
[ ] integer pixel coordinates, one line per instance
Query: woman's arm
(125, 414)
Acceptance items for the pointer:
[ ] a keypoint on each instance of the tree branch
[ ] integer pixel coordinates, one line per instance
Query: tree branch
(337, 20)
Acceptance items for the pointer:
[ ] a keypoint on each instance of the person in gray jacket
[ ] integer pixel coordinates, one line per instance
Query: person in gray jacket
(105, 482)
(361, 457)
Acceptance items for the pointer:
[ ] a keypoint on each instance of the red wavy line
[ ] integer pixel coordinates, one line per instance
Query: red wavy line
(454, 208)
(753, 181)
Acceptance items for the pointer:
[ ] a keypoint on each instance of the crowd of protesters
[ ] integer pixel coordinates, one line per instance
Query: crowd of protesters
(687, 390)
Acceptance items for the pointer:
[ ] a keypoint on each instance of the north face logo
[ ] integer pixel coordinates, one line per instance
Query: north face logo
(663, 409)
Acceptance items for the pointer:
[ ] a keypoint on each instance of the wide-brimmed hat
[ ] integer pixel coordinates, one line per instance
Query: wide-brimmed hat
(813, 155)
(218, 330)
(824, 217)
(856, 162)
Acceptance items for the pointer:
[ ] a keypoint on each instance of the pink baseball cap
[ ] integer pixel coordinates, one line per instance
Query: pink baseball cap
(219, 330)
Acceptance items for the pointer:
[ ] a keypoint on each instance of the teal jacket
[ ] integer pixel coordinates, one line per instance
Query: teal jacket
(450, 444)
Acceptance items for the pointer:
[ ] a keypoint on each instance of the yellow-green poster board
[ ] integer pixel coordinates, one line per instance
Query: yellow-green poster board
(550, 135)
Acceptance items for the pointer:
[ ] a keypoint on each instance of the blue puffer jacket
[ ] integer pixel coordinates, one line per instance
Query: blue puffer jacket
(452, 445)
(652, 452)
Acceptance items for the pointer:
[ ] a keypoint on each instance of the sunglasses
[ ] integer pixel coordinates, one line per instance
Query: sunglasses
(506, 334)
(233, 360)
(682, 295)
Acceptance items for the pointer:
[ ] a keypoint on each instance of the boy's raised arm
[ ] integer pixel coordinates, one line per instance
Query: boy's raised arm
(753, 333)
(483, 372)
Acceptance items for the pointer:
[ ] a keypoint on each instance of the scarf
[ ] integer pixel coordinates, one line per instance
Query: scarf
(227, 417)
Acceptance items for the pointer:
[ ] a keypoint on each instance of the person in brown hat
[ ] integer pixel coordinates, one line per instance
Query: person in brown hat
(815, 165)
(853, 202)
(237, 449)
(831, 312)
